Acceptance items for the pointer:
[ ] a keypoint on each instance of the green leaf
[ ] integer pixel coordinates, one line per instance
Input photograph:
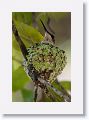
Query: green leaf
(15, 65)
(57, 98)
(25, 17)
(17, 96)
(27, 95)
(65, 84)
(16, 52)
(15, 44)
(19, 79)
(28, 34)
(17, 59)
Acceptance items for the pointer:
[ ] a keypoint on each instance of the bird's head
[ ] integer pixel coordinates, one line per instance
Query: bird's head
(48, 38)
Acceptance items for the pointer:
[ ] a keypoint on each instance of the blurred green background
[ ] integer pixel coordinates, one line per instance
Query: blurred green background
(31, 31)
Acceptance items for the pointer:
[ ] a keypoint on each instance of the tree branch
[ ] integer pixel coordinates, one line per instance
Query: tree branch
(20, 42)
(63, 90)
(35, 93)
(60, 93)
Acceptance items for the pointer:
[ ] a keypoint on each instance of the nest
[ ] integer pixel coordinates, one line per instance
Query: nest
(48, 60)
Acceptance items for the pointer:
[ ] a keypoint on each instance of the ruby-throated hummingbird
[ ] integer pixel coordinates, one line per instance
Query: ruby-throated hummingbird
(48, 38)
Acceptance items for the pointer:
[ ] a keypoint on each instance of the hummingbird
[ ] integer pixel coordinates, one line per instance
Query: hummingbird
(49, 37)
(43, 62)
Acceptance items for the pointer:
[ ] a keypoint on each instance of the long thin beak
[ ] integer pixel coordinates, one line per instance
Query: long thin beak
(48, 31)
(44, 26)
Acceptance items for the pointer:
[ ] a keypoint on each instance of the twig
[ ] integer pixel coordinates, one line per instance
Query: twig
(35, 93)
(63, 89)
(46, 91)
(48, 94)
(20, 42)
(60, 93)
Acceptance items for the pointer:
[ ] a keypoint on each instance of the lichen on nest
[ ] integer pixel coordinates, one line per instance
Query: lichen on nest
(47, 59)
